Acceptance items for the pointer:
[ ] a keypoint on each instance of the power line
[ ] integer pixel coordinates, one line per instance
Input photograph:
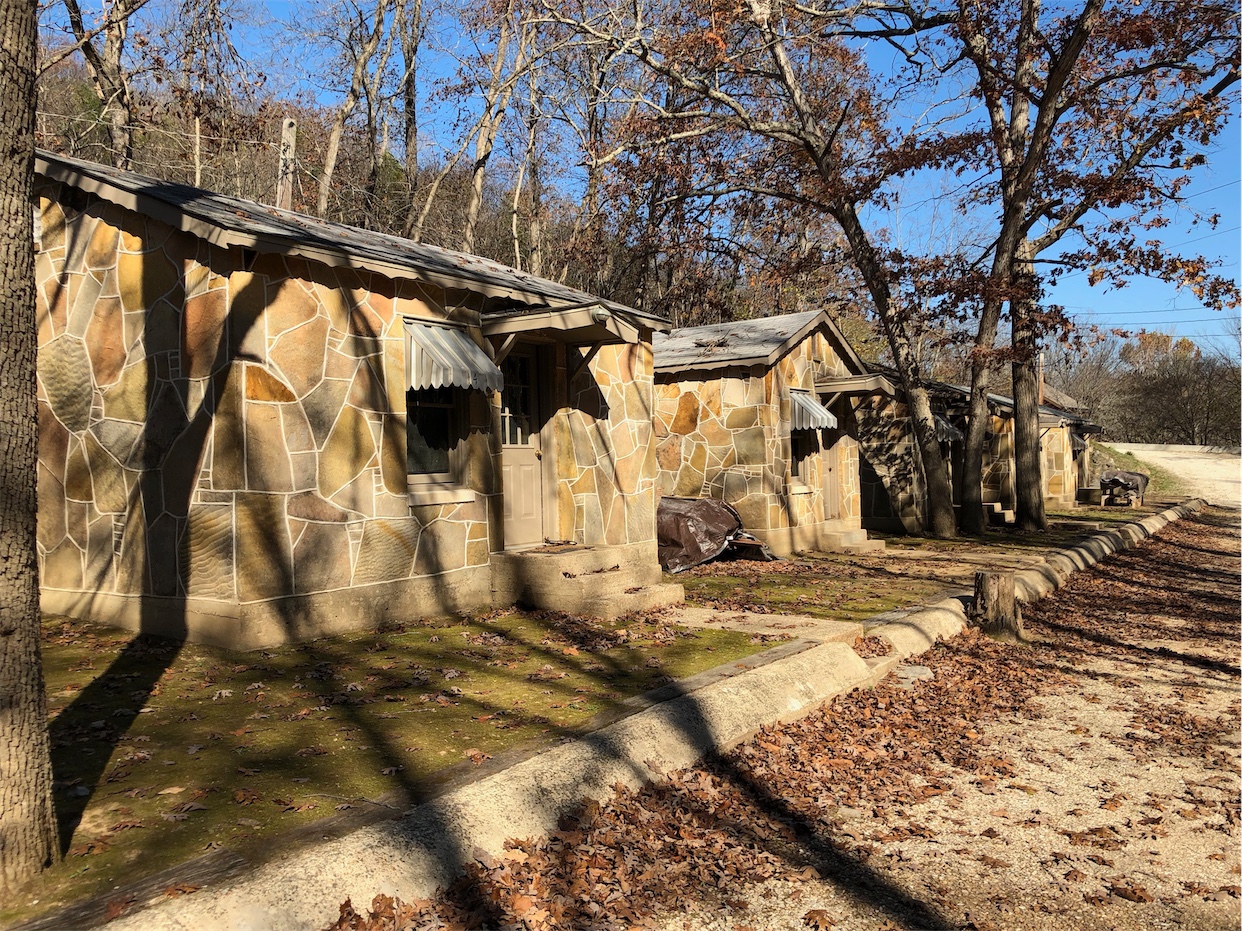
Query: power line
(1094, 312)
(1196, 320)
(1218, 187)
(1176, 245)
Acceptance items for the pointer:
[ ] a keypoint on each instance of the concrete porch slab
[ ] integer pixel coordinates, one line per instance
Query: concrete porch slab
(801, 626)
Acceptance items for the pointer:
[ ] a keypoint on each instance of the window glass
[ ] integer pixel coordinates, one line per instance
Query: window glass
(802, 445)
(431, 434)
(516, 401)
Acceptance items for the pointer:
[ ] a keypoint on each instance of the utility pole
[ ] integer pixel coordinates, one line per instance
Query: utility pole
(284, 174)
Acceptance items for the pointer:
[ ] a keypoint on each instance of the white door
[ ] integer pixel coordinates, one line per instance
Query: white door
(829, 464)
(521, 458)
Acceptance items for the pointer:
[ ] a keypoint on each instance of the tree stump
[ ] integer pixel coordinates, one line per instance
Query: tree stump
(994, 609)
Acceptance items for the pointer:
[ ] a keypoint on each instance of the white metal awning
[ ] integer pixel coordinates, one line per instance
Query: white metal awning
(946, 432)
(806, 413)
(439, 356)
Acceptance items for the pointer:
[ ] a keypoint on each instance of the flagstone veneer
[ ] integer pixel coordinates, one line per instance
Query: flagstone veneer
(604, 449)
(725, 434)
(894, 491)
(223, 439)
(229, 430)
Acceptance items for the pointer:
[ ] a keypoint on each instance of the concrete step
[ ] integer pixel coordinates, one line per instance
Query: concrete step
(844, 537)
(604, 584)
(549, 567)
(1001, 517)
(865, 548)
(577, 599)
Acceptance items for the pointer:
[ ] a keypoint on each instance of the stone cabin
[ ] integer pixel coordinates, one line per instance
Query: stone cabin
(759, 413)
(892, 483)
(1063, 439)
(894, 496)
(257, 427)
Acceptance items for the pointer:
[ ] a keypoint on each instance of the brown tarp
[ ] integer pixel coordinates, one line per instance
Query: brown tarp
(691, 531)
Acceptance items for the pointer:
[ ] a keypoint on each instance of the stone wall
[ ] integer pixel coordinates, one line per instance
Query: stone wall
(998, 468)
(605, 448)
(891, 460)
(220, 427)
(725, 434)
(1060, 468)
(895, 498)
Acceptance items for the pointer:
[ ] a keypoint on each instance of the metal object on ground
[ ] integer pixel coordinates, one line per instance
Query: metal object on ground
(1121, 488)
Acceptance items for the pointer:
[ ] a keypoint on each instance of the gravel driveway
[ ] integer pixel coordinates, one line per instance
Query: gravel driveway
(1215, 476)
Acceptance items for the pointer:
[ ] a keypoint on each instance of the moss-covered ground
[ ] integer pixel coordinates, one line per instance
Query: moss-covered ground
(164, 751)
(912, 569)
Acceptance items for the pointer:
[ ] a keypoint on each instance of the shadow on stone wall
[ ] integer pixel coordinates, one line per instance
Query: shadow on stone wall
(890, 471)
(173, 447)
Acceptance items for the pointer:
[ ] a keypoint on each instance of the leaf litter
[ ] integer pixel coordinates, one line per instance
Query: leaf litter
(822, 812)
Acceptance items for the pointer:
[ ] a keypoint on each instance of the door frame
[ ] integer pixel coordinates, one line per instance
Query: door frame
(542, 383)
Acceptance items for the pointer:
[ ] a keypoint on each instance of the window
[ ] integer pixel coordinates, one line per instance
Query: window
(433, 432)
(803, 444)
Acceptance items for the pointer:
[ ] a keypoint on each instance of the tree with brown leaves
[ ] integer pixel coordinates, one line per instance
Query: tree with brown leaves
(1095, 115)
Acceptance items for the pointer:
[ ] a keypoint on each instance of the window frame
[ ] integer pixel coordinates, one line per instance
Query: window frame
(446, 487)
(808, 440)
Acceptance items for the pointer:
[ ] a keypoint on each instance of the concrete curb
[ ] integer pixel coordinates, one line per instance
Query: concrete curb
(427, 847)
(410, 857)
(1033, 584)
(1172, 448)
(918, 630)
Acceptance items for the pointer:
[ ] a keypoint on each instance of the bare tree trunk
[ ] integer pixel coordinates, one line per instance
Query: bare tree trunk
(495, 101)
(1027, 455)
(971, 517)
(537, 244)
(415, 229)
(362, 60)
(377, 122)
(28, 841)
(108, 76)
(941, 521)
(409, 25)
(529, 168)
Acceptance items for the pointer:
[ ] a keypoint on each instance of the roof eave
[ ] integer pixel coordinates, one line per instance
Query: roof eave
(184, 218)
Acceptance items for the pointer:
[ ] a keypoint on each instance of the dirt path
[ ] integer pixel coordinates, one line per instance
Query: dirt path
(1087, 782)
(1212, 475)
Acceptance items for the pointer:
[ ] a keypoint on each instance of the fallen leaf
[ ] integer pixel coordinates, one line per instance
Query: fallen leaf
(1132, 893)
(819, 919)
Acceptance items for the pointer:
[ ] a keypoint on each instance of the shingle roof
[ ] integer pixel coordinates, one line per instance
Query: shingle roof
(743, 342)
(1059, 399)
(231, 221)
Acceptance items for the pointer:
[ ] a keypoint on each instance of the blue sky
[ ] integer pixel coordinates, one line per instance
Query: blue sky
(1142, 304)
(1154, 305)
